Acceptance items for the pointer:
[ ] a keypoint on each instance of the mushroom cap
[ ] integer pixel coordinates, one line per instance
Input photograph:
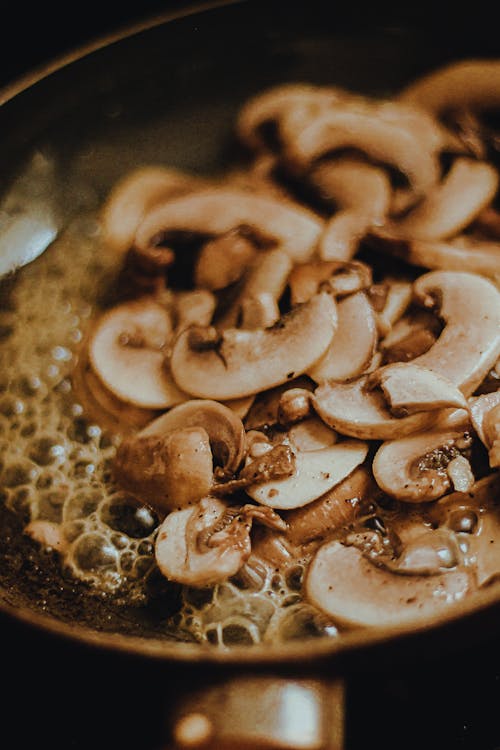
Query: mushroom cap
(348, 587)
(217, 210)
(166, 471)
(224, 428)
(126, 352)
(242, 363)
(316, 472)
(469, 344)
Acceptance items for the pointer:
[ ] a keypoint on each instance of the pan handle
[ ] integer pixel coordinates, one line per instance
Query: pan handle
(260, 711)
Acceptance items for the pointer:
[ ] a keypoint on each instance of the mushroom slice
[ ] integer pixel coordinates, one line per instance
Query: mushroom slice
(343, 234)
(462, 253)
(451, 205)
(396, 301)
(315, 473)
(338, 277)
(337, 508)
(469, 344)
(354, 185)
(480, 408)
(236, 363)
(365, 129)
(268, 107)
(167, 471)
(219, 210)
(100, 405)
(413, 469)
(261, 290)
(223, 260)
(134, 195)
(353, 409)
(348, 587)
(469, 84)
(224, 428)
(410, 388)
(208, 543)
(272, 407)
(126, 351)
(353, 344)
(311, 434)
(194, 307)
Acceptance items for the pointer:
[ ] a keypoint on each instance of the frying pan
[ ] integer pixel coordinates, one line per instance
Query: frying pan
(167, 91)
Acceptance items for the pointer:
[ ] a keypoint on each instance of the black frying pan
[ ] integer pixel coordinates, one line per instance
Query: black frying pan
(168, 93)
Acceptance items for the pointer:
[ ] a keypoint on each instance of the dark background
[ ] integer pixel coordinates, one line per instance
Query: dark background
(60, 695)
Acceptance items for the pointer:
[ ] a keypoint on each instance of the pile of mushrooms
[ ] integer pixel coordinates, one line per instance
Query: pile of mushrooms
(299, 395)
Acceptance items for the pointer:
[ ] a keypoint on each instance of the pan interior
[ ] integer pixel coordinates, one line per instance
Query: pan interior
(165, 96)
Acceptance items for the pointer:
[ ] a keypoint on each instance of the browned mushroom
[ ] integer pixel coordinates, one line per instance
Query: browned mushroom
(208, 543)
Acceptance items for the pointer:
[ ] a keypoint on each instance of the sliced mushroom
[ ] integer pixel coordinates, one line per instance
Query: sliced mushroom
(167, 471)
(462, 253)
(410, 388)
(361, 192)
(102, 406)
(414, 469)
(431, 552)
(224, 428)
(397, 298)
(480, 408)
(238, 363)
(271, 408)
(451, 205)
(219, 210)
(126, 352)
(353, 344)
(207, 544)
(266, 108)
(337, 508)
(256, 305)
(223, 260)
(311, 434)
(338, 277)
(136, 194)
(348, 587)
(316, 472)
(471, 84)
(355, 410)
(366, 129)
(353, 185)
(194, 307)
(469, 344)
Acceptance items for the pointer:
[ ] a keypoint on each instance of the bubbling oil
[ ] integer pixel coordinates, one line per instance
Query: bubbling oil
(55, 463)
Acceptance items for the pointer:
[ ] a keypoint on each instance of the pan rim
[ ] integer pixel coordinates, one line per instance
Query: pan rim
(162, 649)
